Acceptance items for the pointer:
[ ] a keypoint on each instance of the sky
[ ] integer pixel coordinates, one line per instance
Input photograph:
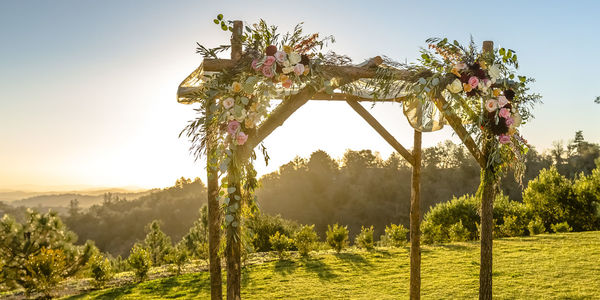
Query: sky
(87, 88)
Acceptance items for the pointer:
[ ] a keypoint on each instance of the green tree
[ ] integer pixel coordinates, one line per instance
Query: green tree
(280, 243)
(196, 240)
(140, 261)
(305, 239)
(44, 239)
(365, 238)
(157, 243)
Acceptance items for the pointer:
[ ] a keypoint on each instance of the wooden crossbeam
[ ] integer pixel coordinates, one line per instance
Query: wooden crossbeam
(456, 124)
(388, 137)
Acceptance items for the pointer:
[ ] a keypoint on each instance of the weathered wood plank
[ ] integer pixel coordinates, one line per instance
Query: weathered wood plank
(388, 137)
(415, 220)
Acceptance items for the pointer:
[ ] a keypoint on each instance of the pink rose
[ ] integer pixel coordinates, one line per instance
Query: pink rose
(299, 69)
(473, 81)
(504, 139)
(255, 65)
(280, 56)
(269, 60)
(233, 127)
(505, 113)
(241, 138)
(287, 84)
(491, 105)
(267, 71)
(509, 121)
(502, 101)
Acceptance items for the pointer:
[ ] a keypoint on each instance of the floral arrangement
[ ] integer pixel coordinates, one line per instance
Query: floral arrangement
(236, 101)
(483, 88)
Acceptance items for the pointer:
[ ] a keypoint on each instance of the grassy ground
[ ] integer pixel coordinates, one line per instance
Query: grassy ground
(549, 266)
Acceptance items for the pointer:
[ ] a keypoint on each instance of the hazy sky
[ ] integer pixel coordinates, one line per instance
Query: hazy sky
(87, 88)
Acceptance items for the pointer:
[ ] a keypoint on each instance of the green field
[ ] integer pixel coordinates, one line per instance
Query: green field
(549, 266)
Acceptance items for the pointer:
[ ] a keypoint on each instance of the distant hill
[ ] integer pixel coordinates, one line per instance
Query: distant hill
(85, 198)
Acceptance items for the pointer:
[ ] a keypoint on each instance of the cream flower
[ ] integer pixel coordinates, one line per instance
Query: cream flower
(502, 101)
(228, 103)
(287, 70)
(455, 86)
(491, 105)
(494, 72)
(236, 87)
(280, 56)
(294, 58)
(299, 69)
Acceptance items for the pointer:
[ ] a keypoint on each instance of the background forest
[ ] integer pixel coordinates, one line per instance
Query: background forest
(358, 189)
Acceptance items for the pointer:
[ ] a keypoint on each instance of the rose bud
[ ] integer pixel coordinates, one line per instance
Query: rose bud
(271, 49)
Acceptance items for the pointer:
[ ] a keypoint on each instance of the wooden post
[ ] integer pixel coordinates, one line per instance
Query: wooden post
(214, 223)
(415, 220)
(487, 192)
(233, 248)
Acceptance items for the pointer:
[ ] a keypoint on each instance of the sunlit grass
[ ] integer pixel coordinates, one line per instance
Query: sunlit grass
(550, 266)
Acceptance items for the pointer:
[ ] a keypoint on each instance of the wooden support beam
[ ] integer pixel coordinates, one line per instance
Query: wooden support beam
(381, 130)
(415, 220)
(234, 242)
(456, 124)
(487, 191)
(214, 220)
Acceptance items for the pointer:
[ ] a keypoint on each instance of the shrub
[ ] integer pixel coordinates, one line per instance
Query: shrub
(178, 257)
(561, 227)
(263, 226)
(458, 233)
(280, 243)
(395, 235)
(102, 271)
(536, 226)
(365, 238)
(305, 239)
(510, 227)
(337, 237)
(140, 261)
(587, 193)
(44, 271)
(431, 234)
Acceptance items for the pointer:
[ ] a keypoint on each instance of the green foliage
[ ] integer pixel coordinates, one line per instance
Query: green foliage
(556, 199)
(157, 243)
(178, 257)
(101, 271)
(536, 226)
(305, 239)
(395, 235)
(337, 237)
(561, 227)
(39, 252)
(511, 227)
(196, 240)
(458, 233)
(365, 238)
(140, 261)
(280, 243)
(44, 271)
(439, 219)
(263, 226)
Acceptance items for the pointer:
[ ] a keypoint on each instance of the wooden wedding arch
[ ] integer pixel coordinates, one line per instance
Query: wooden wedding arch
(187, 94)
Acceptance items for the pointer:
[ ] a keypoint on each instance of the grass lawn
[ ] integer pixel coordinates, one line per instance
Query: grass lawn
(549, 266)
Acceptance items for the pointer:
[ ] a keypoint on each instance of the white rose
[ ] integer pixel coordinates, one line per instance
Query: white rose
(287, 70)
(228, 103)
(294, 58)
(494, 72)
(455, 86)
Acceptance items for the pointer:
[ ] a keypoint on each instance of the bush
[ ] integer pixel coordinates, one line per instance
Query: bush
(458, 233)
(305, 239)
(157, 243)
(587, 193)
(561, 227)
(439, 219)
(263, 226)
(431, 234)
(280, 243)
(395, 235)
(101, 271)
(365, 238)
(44, 271)
(510, 227)
(178, 257)
(536, 226)
(337, 237)
(140, 261)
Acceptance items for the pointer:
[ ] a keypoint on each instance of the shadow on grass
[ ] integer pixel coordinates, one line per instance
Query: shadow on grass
(317, 266)
(356, 261)
(454, 247)
(285, 267)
